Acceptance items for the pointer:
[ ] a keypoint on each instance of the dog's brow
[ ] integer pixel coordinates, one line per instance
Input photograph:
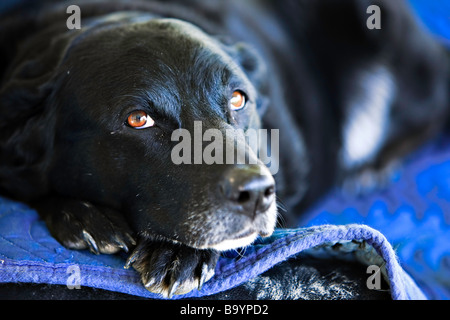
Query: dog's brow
(165, 107)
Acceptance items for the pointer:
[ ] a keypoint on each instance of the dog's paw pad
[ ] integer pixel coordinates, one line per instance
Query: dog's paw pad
(171, 268)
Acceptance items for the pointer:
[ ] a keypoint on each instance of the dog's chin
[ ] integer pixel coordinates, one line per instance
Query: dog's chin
(263, 227)
(233, 243)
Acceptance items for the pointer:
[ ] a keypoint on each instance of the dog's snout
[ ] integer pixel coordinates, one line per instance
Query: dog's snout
(249, 188)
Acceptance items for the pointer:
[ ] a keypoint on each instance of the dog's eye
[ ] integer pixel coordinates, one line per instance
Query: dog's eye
(237, 100)
(140, 120)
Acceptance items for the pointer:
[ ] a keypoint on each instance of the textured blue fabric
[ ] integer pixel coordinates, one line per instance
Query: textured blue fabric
(413, 213)
(29, 254)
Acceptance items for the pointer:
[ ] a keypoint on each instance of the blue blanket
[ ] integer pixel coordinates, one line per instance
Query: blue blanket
(412, 215)
(29, 254)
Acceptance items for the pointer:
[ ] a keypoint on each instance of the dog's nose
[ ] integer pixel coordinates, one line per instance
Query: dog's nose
(251, 188)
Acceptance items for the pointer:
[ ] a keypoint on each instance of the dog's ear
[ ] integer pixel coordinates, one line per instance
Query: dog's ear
(26, 136)
(251, 62)
(26, 123)
(255, 69)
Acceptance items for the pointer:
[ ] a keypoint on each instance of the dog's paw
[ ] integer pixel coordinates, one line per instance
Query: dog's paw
(82, 225)
(172, 268)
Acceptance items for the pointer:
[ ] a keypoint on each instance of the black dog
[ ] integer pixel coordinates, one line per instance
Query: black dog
(87, 118)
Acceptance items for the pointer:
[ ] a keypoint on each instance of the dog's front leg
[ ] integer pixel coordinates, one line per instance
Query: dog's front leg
(79, 224)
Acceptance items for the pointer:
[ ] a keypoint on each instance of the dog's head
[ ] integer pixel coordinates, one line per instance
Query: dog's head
(130, 116)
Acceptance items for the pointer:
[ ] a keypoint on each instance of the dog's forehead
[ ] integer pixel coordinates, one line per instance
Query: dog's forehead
(189, 41)
(182, 29)
(166, 62)
(190, 62)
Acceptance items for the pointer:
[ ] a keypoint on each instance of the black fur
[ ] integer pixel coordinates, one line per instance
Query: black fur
(65, 96)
